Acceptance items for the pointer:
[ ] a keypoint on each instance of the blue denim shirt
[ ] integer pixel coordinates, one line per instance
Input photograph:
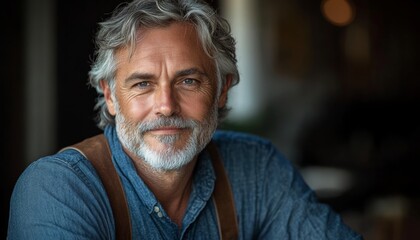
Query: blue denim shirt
(62, 197)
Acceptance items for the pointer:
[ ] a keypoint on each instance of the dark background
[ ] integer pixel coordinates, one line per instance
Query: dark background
(76, 23)
(369, 123)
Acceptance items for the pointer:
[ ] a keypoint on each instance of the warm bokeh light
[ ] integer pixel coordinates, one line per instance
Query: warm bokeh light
(338, 12)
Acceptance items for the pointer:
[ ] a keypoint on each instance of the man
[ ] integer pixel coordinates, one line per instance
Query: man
(163, 71)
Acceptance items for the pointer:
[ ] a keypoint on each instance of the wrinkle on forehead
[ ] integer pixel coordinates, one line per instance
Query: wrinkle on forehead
(189, 31)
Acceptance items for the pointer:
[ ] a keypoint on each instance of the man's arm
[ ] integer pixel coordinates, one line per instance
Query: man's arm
(57, 199)
(292, 209)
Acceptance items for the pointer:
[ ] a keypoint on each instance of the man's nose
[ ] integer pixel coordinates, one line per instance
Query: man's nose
(166, 102)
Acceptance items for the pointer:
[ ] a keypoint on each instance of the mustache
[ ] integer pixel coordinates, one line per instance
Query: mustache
(161, 122)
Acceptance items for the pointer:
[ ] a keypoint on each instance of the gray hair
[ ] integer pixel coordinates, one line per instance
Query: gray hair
(120, 30)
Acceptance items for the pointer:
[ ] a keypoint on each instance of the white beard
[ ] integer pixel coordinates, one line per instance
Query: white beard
(131, 136)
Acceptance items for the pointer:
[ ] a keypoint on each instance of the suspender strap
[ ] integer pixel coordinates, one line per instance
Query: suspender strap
(223, 198)
(96, 150)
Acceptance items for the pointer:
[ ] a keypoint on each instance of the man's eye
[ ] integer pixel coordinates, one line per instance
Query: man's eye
(189, 81)
(143, 84)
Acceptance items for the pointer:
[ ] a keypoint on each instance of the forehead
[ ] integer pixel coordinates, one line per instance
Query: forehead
(176, 45)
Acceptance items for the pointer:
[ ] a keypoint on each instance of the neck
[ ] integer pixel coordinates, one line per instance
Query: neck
(171, 188)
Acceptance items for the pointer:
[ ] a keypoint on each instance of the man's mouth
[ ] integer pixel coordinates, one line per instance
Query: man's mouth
(167, 130)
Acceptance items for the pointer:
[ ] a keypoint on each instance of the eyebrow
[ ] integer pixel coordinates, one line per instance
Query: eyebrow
(137, 76)
(190, 71)
(180, 73)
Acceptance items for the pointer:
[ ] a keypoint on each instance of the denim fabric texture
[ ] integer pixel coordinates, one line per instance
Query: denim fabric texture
(61, 197)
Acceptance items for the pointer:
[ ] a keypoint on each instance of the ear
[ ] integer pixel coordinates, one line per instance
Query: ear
(225, 89)
(107, 95)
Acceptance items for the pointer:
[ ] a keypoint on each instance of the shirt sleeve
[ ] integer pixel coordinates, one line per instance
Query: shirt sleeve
(54, 199)
(290, 208)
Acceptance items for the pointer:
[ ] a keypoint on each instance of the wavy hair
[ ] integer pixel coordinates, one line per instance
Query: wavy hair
(120, 31)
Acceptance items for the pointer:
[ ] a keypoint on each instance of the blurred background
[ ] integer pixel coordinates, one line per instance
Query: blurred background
(333, 83)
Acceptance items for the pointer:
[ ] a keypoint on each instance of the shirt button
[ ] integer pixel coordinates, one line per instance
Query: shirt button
(156, 209)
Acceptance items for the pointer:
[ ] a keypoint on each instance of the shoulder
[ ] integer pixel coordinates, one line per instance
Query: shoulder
(241, 142)
(62, 175)
(268, 189)
(62, 166)
(251, 159)
(246, 147)
(241, 138)
(54, 190)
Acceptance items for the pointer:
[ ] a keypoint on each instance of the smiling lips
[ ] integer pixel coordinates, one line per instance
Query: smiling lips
(167, 130)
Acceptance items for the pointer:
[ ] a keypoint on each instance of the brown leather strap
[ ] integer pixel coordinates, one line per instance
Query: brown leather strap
(96, 150)
(223, 198)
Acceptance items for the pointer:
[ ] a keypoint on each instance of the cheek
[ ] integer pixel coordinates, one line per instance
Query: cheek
(197, 106)
(135, 108)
